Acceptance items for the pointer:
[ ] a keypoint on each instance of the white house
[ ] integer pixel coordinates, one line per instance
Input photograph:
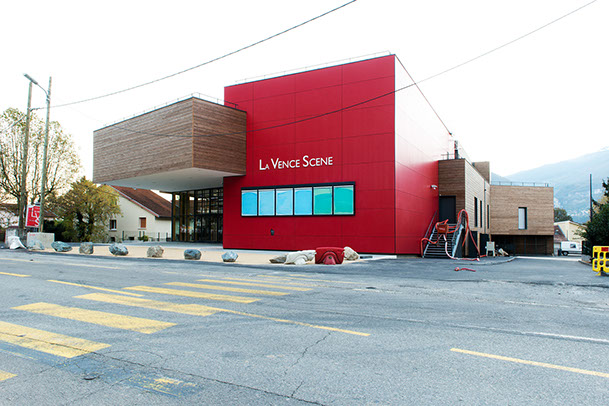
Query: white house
(145, 216)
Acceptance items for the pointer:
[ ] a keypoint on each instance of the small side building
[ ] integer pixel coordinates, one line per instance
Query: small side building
(145, 216)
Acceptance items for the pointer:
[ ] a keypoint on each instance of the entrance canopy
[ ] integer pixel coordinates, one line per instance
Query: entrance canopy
(175, 181)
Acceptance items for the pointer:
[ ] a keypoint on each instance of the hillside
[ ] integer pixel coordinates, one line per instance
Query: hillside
(571, 181)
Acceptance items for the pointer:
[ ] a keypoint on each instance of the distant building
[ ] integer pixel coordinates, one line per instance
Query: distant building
(571, 230)
(145, 216)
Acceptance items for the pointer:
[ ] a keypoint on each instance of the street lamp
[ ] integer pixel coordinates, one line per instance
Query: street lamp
(44, 155)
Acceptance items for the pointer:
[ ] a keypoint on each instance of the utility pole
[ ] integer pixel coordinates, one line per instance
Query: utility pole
(44, 161)
(591, 197)
(22, 195)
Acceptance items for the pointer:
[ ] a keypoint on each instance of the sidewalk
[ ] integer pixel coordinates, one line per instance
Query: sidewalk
(209, 252)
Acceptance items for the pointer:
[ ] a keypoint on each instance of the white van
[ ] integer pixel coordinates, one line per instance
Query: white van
(570, 247)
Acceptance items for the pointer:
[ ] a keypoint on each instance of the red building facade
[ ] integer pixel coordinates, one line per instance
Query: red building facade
(343, 132)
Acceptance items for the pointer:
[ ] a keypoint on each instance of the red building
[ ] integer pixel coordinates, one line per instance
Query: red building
(344, 155)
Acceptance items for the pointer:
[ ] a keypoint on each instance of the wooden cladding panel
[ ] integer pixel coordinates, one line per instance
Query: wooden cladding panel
(539, 202)
(451, 180)
(162, 141)
(219, 137)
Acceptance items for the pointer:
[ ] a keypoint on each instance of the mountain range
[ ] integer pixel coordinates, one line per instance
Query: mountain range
(571, 181)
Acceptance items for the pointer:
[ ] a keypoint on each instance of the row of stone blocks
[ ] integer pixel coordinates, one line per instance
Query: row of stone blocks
(155, 251)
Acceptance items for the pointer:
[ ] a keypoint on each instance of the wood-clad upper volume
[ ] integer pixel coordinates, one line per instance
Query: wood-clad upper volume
(187, 138)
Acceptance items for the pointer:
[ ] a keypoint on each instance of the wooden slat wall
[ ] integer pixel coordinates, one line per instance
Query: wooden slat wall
(219, 152)
(539, 202)
(451, 180)
(161, 141)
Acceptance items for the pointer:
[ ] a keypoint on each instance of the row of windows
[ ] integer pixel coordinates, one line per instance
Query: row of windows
(299, 201)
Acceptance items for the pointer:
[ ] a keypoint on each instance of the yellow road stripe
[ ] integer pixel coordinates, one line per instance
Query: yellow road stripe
(262, 285)
(190, 293)
(198, 310)
(228, 288)
(45, 341)
(191, 309)
(15, 274)
(307, 279)
(138, 324)
(278, 281)
(534, 363)
(57, 263)
(96, 288)
(6, 375)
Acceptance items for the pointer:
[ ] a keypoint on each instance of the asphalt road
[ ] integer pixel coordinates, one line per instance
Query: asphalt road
(91, 331)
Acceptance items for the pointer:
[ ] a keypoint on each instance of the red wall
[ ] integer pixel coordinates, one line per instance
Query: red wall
(362, 141)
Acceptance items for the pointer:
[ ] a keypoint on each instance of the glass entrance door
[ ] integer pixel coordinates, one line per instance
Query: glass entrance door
(197, 215)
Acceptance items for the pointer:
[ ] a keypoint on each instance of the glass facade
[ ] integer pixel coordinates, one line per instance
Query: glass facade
(322, 200)
(197, 215)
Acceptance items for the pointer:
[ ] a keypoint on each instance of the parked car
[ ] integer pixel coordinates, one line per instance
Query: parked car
(570, 247)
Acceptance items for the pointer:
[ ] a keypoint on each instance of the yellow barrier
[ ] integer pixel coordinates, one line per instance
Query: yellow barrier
(599, 260)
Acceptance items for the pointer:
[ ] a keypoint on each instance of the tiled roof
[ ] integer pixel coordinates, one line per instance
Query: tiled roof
(147, 199)
(559, 235)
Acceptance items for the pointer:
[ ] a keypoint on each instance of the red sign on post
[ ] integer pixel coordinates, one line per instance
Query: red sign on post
(33, 216)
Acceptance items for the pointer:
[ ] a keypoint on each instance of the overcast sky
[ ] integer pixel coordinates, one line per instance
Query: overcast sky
(540, 100)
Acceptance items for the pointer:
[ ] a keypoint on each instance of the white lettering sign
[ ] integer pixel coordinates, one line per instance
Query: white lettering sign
(304, 162)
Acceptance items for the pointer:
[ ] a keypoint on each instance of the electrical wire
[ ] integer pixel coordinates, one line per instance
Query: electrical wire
(207, 62)
(415, 83)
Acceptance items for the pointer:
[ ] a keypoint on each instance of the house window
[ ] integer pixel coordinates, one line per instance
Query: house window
(522, 218)
(142, 222)
(112, 224)
(488, 216)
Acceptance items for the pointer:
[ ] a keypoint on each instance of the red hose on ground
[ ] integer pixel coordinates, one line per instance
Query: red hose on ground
(457, 269)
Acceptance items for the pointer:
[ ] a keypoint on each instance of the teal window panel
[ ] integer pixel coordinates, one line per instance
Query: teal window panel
(303, 201)
(249, 202)
(266, 202)
(344, 199)
(322, 200)
(285, 202)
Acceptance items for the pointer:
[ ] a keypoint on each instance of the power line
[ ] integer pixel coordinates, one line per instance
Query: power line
(374, 98)
(207, 62)
(506, 44)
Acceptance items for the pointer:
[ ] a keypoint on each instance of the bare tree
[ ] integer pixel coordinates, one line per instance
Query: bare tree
(63, 162)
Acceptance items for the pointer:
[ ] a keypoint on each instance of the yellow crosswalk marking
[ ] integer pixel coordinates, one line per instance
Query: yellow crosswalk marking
(262, 285)
(138, 324)
(95, 287)
(278, 282)
(228, 288)
(307, 279)
(191, 309)
(190, 293)
(199, 310)
(45, 341)
(15, 274)
(6, 375)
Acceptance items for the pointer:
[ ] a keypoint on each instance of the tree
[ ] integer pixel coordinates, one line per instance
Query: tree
(596, 230)
(62, 159)
(561, 215)
(86, 210)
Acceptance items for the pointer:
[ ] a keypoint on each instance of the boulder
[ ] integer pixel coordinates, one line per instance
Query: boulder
(156, 251)
(192, 254)
(61, 246)
(350, 254)
(14, 242)
(36, 246)
(279, 259)
(86, 248)
(230, 256)
(299, 257)
(118, 250)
